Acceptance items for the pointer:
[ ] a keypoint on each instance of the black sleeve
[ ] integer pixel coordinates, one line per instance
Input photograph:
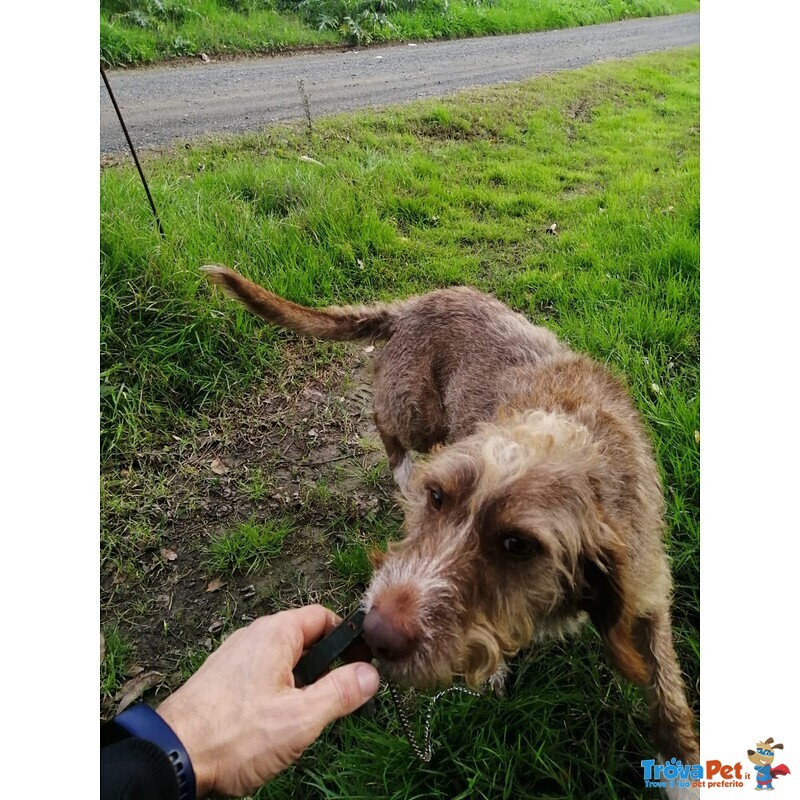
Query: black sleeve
(135, 769)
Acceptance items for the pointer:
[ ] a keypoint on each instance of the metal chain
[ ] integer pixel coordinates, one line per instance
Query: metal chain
(424, 752)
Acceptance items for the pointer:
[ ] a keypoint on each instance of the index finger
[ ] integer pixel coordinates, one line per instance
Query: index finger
(311, 623)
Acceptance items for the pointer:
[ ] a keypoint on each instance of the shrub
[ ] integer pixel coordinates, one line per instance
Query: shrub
(147, 13)
(248, 6)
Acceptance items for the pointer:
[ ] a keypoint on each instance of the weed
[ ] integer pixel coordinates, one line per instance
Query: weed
(370, 444)
(375, 476)
(246, 548)
(190, 661)
(115, 658)
(306, 107)
(352, 564)
(247, 6)
(257, 486)
(320, 492)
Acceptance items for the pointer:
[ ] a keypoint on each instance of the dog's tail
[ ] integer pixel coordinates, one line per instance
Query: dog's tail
(340, 323)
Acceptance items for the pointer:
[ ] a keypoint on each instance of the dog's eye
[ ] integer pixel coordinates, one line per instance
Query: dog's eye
(518, 548)
(435, 497)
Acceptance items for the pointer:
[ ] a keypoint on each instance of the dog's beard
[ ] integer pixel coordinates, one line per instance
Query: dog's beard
(426, 668)
(471, 650)
(490, 642)
(474, 656)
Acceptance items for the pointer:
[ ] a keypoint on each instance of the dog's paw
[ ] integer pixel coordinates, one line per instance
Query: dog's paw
(497, 683)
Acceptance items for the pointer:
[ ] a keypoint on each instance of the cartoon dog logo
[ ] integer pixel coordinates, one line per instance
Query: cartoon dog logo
(762, 757)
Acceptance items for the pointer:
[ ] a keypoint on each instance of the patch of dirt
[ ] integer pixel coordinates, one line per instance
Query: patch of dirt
(580, 111)
(305, 450)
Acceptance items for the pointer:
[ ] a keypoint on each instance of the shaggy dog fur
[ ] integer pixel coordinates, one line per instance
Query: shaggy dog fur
(539, 508)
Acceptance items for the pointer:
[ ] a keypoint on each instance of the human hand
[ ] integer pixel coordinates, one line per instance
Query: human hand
(240, 717)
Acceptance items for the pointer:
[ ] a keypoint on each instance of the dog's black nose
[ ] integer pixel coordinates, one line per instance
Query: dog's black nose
(387, 640)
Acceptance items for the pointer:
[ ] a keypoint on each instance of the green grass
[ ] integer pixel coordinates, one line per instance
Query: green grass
(247, 548)
(257, 485)
(143, 31)
(352, 563)
(115, 658)
(461, 191)
(212, 28)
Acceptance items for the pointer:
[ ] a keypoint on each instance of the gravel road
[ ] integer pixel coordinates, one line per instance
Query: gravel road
(163, 104)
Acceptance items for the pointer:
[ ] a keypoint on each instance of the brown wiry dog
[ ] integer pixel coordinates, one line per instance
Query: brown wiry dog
(543, 509)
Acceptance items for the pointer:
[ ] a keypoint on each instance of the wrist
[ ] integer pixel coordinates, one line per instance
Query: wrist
(143, 722)
(183, 725)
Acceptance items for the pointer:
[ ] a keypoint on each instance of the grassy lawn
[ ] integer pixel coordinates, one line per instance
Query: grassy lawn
(143, 31)
(239, 454)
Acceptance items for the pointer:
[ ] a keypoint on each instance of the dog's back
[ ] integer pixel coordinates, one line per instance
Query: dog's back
(443, 370)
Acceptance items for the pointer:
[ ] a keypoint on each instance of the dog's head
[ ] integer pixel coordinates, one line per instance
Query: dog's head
(765, 752)
(504, 536)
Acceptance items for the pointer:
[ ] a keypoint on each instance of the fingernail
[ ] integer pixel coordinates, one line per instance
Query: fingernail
(368, 679)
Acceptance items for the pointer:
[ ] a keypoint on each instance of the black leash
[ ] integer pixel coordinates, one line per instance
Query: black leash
(133, 150)
(317, 660)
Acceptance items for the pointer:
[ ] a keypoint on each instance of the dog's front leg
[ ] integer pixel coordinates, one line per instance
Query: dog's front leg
(400, 461)
(402, 471)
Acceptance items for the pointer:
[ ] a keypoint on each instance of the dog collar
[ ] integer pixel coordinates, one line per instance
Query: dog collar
(143, 722)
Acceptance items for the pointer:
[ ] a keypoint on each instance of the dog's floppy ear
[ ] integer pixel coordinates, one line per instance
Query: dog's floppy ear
(608, 601)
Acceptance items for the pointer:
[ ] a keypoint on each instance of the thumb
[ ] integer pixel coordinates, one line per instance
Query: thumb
(341, 692)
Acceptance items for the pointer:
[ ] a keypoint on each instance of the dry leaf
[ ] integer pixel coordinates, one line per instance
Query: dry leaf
(552, 229)
(133, 671)
(135, 688)
(369, 349)
(216, 584)
(656, 388)
(168, 555)
(216, 626)
(218, 466)
(204, 58)
(102, 647)
(697, 437)
(248, 592)
(310, 160)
